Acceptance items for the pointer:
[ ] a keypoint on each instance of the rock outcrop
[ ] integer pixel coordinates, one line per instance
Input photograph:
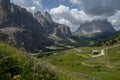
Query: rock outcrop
(46, 21)
(63, 31)
(48, 17)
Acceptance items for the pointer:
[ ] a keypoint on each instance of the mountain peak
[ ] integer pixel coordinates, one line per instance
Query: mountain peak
(48, 17)
(95, 28)
(40, 17)
(38, 14)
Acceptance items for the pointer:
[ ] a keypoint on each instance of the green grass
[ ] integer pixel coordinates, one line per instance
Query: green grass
(18, 65)
(62, 65)
(81, 63)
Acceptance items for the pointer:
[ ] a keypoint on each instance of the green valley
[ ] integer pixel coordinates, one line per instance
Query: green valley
(85, 67)
(71, 64)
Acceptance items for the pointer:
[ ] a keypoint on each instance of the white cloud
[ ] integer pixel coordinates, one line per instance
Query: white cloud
(75, 1)
(30, 5)
(32, 9)
(59, 10)
(68, 23)
(115, 20)
(71, 17)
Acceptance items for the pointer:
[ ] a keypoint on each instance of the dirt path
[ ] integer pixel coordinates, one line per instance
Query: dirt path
(103, 50)
(102, 53)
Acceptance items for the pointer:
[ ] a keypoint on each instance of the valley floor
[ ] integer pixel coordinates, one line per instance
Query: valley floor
(81, 64)
(72, 64)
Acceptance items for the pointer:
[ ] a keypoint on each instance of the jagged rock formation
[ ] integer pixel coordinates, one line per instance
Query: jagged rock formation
(63, 31)
(95, 28)
(59, 30)
(48, 18)
(20, 28)
(59, 33)
(46, 21)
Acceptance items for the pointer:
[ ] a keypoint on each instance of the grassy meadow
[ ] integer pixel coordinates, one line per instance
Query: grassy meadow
(71, 64)
(80, 64)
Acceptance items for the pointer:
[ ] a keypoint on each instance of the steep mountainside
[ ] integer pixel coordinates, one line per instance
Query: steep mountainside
(46, 21)
(19, 28)
(96, 28)
(60, 30)
(59, 33)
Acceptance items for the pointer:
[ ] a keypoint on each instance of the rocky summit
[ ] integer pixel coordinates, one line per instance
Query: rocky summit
(20, 28)
(95, 28)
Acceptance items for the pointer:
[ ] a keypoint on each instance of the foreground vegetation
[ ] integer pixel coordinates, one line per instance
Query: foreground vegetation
(18, 65)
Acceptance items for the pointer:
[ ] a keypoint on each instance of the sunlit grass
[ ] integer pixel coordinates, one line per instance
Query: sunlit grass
(104, 67)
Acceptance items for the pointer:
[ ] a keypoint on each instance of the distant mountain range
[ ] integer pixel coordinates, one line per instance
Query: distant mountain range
(96, 29)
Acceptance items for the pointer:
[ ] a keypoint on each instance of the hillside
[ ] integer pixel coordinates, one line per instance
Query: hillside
(112, 40)
(19, 65)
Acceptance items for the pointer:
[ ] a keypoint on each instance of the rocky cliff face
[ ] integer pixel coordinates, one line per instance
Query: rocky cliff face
(63, 31)
(46, 21)
(95, 28)
(20, 28)
(59, 30)
(4, 12)
(48, 17)
(23, 29)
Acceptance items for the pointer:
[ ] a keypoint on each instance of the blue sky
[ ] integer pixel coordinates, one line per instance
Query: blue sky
(43, 5)
(75, 12)
(48, 4)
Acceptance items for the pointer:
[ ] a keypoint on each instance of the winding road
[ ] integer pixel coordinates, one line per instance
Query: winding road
(102, 53)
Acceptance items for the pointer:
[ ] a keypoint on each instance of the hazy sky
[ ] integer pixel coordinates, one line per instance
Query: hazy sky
(75, 12)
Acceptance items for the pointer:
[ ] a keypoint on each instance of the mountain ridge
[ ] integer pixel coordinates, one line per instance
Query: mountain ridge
(23, 29)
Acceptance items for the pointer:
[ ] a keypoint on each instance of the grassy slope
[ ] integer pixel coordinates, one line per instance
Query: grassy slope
(18, 65)
(81, 63)
(114, 39)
